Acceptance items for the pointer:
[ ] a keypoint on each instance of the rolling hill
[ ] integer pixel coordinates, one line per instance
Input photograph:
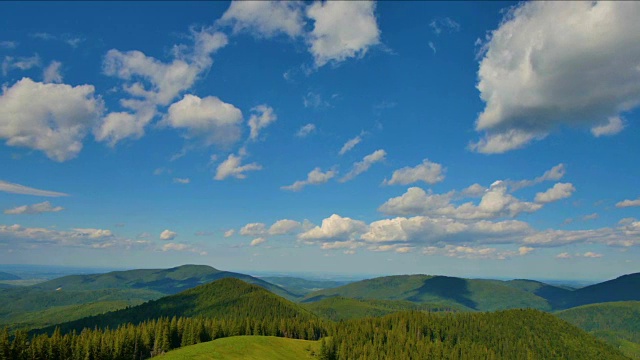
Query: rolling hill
(76, 296)
(301, 286)
(483, 295)
(227, 298)
(7, 276)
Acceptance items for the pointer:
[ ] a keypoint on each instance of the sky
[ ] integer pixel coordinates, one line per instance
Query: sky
(492, 139)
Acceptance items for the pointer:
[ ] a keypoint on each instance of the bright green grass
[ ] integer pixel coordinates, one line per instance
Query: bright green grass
(247, 348)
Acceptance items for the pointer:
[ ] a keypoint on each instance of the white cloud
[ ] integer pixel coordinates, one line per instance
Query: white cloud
(53, 118)
(209, 118)
(429, 172)
(364, 165)
(628, 203)
(38, 208)
(314, 100)
(593, 255)
(495, 203)
(473, 191)
(182, 247)
(25, 190)
(342, 30)
(284, 227)
(590, 217)
(557, 192)
(257, 241)
(229, 233)
(564, 255)
(233, 167)
(306, 130)
(335, 227)
(315, 177)
(550, 64)
(8, 44)
(265, 18)
(554, 174)
(444, 24)
(612, 127)
(150, 82)
(261, 117)
(183, 181)
(52, 74)
(253, 229)
(470, 252)
(168, 235)
(22, 63)
(350, 144)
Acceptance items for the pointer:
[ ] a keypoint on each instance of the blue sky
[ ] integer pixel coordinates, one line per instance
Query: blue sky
(466, 139)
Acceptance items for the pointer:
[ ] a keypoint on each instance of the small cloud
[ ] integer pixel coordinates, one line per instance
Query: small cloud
(364, 165)
(306, 130)
(314, 100)
(315, 177)
(446, 24)
(181, 180)
(564, 255)
(432, 47)
(25, 190)
(590, 217)
(168, 235)
(229, 233)
(613, 126)
(8, 44)
(262, 117)
(592, 255)
(232, 167)
(39, 208)
(557, 192)
(624, 203)
(52, 74)
(428, 172)
(350, 144)
(258, 241)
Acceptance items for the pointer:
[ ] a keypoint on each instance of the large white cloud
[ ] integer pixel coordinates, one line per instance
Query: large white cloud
(38, 208)
(150, 82)
(335, 227)
(428, 172)
(53, 118)
(342, 30)
(265, 18)
(364, 165)
(552, 63)
(209, 118)
(315, 177)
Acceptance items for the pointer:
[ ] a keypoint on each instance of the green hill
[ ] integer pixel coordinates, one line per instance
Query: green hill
(73, 297)
(615, 322)
(623, 288)
(7, 276)
(341, 308)
(247, 348)
(227, 298)
(483, 295)
(301, 286)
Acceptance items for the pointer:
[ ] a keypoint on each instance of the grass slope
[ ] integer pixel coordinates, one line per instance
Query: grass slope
(341, 308)
(618, 323)
(247, 348)
(483, 295)
(224, 298)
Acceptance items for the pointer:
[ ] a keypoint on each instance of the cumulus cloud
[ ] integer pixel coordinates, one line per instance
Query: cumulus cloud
(168, 235)
(257, 241)
(364, 165)
(265, 18)
(229, 233)
(261, 117)
(495, 203)
(550, 64)
(209, 119)
(315, 177)
(52, 118)
(563, 255)
(341, 30)
(150, 82)
(38, 208)
(557, 192)
(182, 247)
(428, 172)
(621, 204)
(25, 190)
(52, 74)
(350, 144)
(306, 130)
(592, 255)
(232, 167)
(554, 174)
(284, 227)
(335, 227)
(253, 229)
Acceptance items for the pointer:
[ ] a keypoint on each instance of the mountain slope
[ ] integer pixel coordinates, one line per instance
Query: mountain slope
(483, 295)
(7, 276)
(247, 348)
(227, 298)
(302, 286)
(623, 288)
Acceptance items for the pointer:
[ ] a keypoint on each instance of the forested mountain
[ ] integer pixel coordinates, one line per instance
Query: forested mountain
(615, 322)
(227, 298)
(301, 286)
(483, 295)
